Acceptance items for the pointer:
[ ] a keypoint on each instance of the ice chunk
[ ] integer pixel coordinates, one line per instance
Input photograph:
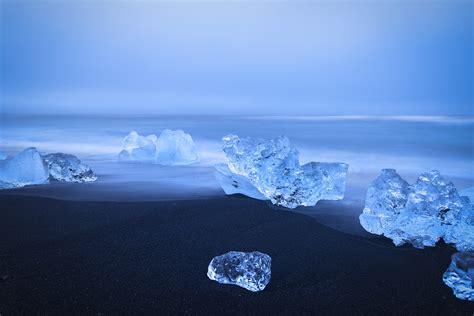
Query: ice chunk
(171, 148)
(250, 270)
(418, 214)
(233, 183)
(460, 275)
(26, 168)
(175, 148)
(138, 148)
(386, 197)
(272, 167)
(68, 168)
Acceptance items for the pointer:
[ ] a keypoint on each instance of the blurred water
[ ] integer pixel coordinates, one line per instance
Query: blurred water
(409, 144)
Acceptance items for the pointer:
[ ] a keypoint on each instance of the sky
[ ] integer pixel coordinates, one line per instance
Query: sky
(237, 57)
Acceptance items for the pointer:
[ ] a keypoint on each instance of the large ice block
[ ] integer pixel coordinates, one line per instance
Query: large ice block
(272, 168)
(419, 214)
(460, 275)
(250, 270)
(26, 168)
(68, 168)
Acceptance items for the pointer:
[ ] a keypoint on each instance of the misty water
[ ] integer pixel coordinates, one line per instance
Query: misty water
(409, 144)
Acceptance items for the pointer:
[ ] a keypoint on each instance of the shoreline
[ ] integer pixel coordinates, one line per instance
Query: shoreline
(151, 257)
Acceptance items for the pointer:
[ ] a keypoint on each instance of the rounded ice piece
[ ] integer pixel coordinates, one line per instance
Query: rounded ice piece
(250, 270)
(68, 168)
(460, 275)
(26, 168)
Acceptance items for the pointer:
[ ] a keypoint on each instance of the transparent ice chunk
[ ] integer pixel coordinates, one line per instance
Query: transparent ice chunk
(250, 270)
(68, 168)
(272, 167)
(419, 214)
(460, 275)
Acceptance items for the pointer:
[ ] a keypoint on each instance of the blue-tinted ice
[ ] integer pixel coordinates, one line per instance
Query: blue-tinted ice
(171, 148)
(419, 214)
(460, 275)
(68, 168)
(26, 168)
(29, 167)
(270, 169)
(250, 270)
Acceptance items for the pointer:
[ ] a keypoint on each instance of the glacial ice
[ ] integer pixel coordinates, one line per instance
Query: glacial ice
(250, 270)
(270, 169)
(138, 148)
(171, 148)
(460, 275)
(26, 168)
(419, 214)
(68, 168)
(175, 148)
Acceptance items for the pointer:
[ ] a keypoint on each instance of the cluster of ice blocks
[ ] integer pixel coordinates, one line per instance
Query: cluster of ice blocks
(171, 148)
(28, 167)
(270, 169)
(419, 214)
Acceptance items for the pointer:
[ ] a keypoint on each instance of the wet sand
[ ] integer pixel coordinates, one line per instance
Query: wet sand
(69, 257)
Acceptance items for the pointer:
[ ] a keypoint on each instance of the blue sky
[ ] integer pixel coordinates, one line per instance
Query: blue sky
(250, 57)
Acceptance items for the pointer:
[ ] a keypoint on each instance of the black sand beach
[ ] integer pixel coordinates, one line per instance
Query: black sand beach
(66, 257)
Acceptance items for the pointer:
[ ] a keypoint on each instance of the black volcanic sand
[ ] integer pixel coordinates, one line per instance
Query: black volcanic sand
(64, 257)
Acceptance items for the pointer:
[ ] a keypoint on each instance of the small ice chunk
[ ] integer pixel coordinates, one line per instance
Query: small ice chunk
(250, 270)
(175, 148)
(272, 167)
(460, 275)
(68, 168)
(419, 214)
(26, 168)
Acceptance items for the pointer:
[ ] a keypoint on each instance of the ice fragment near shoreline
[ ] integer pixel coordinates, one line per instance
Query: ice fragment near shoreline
(68, 168)
(26, 168)
(419, 214)
(175, 148)
(460, 275)
(272, 168)
(138, 148)
(171, 148)
(250, 270)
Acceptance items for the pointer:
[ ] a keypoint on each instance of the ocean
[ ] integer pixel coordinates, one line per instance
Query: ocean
(410, 144)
